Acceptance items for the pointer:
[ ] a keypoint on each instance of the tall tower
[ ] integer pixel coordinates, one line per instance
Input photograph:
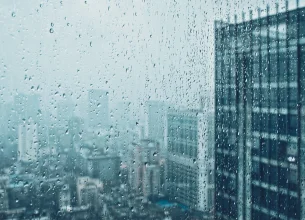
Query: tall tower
(260, 97)
(28, 142)
(155, 122)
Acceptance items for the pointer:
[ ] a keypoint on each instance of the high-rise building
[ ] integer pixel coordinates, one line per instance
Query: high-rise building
(98, 109)
(260, 127)
(28, 142)
(190, 162)
(155, 121)
(144, 168)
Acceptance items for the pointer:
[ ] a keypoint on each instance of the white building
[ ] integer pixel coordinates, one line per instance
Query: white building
(144, 168)
(28, 142)
(156, 112)
(190, 162)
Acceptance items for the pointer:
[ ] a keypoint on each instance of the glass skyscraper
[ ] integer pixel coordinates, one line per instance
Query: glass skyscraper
(260, 123)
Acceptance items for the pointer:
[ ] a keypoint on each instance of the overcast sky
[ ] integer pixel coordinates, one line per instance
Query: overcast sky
(135, 49)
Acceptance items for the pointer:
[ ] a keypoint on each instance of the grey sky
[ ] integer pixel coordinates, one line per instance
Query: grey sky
(136, 49)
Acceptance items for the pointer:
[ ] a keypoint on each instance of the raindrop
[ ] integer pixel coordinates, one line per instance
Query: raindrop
(13, 14)
(51, 30)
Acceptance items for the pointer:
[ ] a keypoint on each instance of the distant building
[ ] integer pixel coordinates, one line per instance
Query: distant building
(22, 192)
(28, 142)
(104, 167)
(144, 167)
(190, 163)
(4, 180)
(88, 191)
(65, 198)
(155, 122)
(98, 109)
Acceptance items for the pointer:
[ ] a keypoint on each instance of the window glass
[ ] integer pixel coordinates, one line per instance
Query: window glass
(143, 109)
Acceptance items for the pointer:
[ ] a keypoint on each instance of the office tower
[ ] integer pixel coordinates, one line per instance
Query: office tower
(190, 160)
(28, 142)
(260, 69)
(144, 167)
(98, 109)
(155, 121)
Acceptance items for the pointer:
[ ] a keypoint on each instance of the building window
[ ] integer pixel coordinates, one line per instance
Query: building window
(293, 125)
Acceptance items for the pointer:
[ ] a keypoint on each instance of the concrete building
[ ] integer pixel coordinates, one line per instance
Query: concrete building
(65, 198)
(102, 166)
(28, 142)
(260, 90)
(155, 122)
(144, 168)
(190, 162)
(88, 191)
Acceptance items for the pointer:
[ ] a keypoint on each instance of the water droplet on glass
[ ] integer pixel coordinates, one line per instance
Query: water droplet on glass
(13, 14)
(51, 30)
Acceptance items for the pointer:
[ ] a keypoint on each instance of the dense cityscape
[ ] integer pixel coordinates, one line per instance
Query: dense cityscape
(239, 155)
(69, 168)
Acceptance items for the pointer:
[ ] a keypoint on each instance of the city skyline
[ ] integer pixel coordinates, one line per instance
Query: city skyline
(155, 110)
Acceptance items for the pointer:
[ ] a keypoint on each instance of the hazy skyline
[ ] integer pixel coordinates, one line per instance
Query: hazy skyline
(137, 49)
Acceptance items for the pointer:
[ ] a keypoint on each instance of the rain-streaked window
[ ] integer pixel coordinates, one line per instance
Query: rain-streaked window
(158, 110)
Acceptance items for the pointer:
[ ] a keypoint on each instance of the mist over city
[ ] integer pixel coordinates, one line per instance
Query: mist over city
(144, 109)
